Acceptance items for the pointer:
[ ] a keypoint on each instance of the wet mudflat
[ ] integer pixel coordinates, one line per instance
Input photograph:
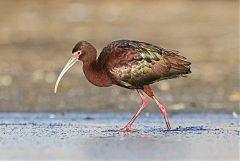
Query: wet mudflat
(75, 136)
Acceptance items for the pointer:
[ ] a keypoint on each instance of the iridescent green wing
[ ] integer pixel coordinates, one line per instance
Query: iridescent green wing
(134, 64)
(147, 51)
(131, 63)
(152, 64)
(165, 63)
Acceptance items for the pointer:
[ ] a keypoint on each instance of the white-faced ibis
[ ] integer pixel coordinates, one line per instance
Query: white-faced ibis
(129, 64)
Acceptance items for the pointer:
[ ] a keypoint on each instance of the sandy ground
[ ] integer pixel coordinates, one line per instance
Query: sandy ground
(73, 136)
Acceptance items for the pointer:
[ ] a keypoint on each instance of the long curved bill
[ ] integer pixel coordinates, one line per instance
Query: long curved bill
(69, 64)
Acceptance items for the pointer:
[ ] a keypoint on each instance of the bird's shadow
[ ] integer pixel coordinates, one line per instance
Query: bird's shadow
(155, 132)
(196, 129)
(177, 129)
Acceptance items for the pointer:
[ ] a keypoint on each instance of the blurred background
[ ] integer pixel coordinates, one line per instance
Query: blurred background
(36, 39)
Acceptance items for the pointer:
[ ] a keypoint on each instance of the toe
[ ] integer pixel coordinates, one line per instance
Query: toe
(127, 129)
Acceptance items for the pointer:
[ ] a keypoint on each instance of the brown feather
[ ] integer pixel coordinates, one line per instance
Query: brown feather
(177, 63)
(133, 64)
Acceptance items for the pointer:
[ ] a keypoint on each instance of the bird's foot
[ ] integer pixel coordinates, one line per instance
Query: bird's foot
(168, 125)
(167, 122)
(127, 129)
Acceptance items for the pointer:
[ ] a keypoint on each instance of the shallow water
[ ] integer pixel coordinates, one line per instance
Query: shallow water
(84, 136)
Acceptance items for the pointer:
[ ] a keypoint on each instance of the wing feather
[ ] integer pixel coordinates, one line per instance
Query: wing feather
(133, 64)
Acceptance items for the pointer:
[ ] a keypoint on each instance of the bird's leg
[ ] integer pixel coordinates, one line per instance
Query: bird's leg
(163, 111)
(128, 128)
(147, 89)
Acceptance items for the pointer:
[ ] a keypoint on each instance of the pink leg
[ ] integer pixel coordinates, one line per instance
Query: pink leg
(128, 126)
(163, 111)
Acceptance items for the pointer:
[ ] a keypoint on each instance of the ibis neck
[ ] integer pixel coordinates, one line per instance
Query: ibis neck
(95, 74)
